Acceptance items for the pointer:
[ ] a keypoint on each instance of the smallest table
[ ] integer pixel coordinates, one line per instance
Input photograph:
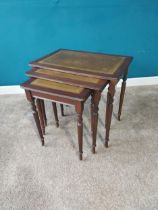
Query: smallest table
(37, 89)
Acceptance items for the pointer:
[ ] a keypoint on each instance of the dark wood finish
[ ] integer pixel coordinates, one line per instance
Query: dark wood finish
(43, 112)
(55, 114)
(81, 96)
(35, 114)
(67, 78)
(39, 108)
(109, 109)
(94, 116)
(62, 109)
(76, 99)
(91, 111)
(90, 57)
(79, 109)
(89, 64)
(123, 88)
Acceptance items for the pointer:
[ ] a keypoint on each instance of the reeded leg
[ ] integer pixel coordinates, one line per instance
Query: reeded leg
(62, 109)
(123, 88)
(39, 108)
(35, 115)
(109, 109)
(43, 112)
(79, 110)
(55, 114)
(94, 117)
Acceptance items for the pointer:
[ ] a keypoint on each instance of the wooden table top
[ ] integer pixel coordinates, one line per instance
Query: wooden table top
(56, 89)
(67, 78)
(97, 65)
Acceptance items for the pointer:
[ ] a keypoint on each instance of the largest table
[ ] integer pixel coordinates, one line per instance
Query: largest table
(92, 66)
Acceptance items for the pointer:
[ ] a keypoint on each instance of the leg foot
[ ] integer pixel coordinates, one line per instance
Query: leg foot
(93, 150)
(80, 156)
(43, 142)
(106, 144)
(62, 109)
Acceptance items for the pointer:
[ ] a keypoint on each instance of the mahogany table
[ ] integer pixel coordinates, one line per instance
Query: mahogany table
(90, 65)
(40, 89)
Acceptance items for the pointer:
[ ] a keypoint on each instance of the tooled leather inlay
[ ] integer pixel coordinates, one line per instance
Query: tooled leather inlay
(98, 63)
(68, 76)
(57, 86)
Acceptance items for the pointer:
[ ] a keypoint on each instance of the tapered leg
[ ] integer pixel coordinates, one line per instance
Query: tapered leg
(43, 112)
(123, 88)
(94, 117)
(79, 110)
(55, 114)
(36, 117)
(109, 109)
(62, 109)
(39, 108)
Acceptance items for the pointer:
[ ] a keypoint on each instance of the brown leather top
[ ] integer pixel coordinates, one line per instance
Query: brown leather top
(68, 76)
(57, 86)
(92, 62)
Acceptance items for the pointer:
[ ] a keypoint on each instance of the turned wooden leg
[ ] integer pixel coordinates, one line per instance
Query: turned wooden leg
(39, 108)
(62, 109)
(37, 121)
(123, 88)
(94, 117)
(55, 114)
(109, 109)
(79, 110)
(43, 112)
(92, 120)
